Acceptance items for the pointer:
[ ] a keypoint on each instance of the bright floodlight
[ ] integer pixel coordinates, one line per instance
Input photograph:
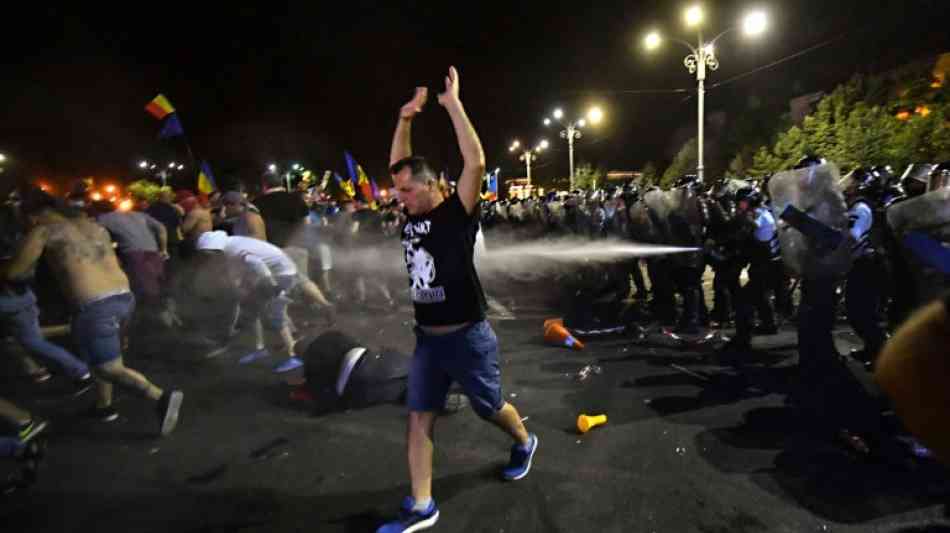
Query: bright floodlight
(652, 40)
(755, 23)
(581, 123)
(558, 113)
(171, 165)
(272, 167)
(2, 158)
(143, 164)
(595, 115)
(543, 145)
(547, 122)
(693, 16)
(181, 167)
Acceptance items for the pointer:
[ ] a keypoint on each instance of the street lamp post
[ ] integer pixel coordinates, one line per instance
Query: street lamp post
(528, 155)
(701, 57)
(572, 131)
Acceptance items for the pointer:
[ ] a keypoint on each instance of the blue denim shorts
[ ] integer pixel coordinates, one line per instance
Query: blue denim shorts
(21, 323)
(468, 357)
(96, 328)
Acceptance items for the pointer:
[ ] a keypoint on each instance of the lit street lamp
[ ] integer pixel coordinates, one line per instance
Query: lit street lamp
(528, 155)
(143, 164)
(703, 55)
(3, 158)
(572, 130)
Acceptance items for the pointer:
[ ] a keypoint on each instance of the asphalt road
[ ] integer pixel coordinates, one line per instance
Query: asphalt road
(690, 446)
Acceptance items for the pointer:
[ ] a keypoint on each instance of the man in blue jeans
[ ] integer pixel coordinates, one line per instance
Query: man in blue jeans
(80, 254)
(19, 318)
(454, 342)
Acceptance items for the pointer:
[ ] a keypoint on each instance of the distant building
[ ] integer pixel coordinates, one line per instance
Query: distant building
(519, 188)
(802, 106)
(624, 175)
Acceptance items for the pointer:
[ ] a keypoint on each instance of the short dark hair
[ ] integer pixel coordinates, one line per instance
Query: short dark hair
(34, 201)
(418, 167)
(273, 179)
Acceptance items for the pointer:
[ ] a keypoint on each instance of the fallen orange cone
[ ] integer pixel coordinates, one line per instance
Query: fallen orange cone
(585, 423)
(548, 322)
(555, 333)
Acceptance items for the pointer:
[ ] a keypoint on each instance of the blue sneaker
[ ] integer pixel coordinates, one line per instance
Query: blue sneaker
(254, 356)
(292, 363)
(410, 520)
(520, 462)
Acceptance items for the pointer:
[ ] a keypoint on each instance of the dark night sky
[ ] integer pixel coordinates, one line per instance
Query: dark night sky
(302, 83)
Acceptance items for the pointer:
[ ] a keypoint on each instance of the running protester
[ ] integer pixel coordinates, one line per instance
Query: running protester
(454, 342)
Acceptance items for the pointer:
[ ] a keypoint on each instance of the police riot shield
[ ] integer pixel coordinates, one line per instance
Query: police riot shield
(814, 191)
(921, 226)
(641, 226)
(929, 212)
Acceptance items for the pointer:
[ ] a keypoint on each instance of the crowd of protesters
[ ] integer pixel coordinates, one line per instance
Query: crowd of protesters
(119, 272)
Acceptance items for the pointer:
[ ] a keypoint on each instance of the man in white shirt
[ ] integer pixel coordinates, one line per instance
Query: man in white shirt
(267, 274)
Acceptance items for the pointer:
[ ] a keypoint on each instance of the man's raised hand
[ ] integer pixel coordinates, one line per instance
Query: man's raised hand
(451, 94)
(415, 105)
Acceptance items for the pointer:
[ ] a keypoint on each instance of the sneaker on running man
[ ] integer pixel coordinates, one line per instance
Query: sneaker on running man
(167, 408)
(412, 520)
(520, 463)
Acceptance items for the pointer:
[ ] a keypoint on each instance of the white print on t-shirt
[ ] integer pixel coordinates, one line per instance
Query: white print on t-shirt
(421, 264)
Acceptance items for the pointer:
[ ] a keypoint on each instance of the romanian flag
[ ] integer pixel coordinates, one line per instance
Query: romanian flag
(351, 167)
(160, 107)
(345, 185)
(172, 127)
(206, 183)
(366, 188)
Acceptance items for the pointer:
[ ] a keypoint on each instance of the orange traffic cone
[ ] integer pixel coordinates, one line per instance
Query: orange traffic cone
(586, 423)
(548, 322)
(555, 333)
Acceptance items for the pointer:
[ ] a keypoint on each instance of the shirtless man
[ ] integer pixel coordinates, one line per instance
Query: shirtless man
(198, 219)
(247, 221)
(80, 254)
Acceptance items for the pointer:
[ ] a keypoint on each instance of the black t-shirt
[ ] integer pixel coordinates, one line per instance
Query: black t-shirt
(283, 214)
(439, 248)
(166, 213)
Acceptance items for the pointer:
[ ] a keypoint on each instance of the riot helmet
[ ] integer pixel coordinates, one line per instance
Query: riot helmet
(748, 198)
(809, 161)
(939, 176)
(916, 177)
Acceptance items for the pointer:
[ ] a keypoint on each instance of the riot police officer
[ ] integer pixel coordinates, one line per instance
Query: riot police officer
(758, 234)
(864, 281)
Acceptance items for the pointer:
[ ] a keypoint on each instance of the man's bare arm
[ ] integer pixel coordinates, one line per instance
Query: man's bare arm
(163, 241)
(255, 224)
(402, 138)
(161, 233)
(473, 157)
(31, 248)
